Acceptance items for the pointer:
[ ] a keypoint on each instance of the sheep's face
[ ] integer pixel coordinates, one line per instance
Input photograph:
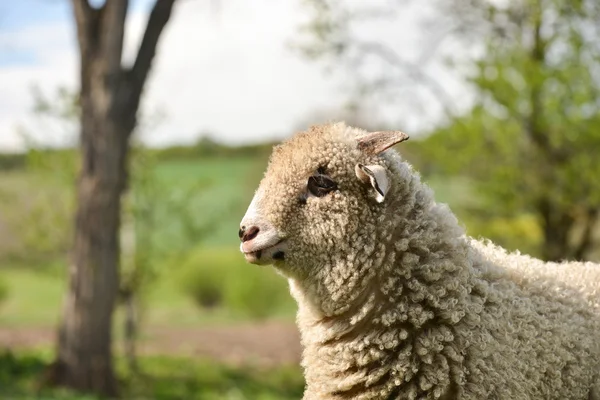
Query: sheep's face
(319, 203)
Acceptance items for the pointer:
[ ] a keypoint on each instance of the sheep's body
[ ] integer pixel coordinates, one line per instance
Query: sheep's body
(523, 336)
(395, 302)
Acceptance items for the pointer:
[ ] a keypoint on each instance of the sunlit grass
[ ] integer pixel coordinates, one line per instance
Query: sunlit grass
(33, 297)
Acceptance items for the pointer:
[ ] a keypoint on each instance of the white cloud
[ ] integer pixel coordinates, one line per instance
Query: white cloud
(55, 66)
(226, 71)
(231, 73)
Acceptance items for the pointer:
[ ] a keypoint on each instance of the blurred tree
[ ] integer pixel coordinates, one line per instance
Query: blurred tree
(371, 42)
(532, 137)
(109, 99)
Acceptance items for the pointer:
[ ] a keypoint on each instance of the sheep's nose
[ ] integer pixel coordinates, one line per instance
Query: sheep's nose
(250, 233)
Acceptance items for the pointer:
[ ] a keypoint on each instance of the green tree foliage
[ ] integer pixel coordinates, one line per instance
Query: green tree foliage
(532, 136)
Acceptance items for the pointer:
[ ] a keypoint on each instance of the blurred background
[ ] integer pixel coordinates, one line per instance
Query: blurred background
(501, 99)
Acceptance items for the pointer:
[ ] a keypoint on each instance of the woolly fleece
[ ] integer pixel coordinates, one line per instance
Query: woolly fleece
(395, 302)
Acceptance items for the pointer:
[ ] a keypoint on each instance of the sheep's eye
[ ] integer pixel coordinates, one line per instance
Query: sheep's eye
(320, 185)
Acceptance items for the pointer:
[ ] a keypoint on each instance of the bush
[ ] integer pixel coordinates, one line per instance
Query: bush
(203, 281)
(220, 277)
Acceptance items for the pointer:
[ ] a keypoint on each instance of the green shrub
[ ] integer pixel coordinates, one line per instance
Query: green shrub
(221, 277)
(202, 280)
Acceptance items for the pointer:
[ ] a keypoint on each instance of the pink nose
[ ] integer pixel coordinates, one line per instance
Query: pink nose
(248, 234)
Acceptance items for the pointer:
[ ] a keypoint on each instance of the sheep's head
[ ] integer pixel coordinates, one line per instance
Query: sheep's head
(321, 200)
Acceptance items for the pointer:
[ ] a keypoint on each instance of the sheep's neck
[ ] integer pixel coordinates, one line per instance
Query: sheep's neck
(419, 296)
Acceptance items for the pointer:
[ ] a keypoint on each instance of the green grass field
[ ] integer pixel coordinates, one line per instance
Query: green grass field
(160, 378)
(34, 296)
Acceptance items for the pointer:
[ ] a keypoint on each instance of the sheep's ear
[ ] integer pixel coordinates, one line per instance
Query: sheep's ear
(375, 176)
(376, 142)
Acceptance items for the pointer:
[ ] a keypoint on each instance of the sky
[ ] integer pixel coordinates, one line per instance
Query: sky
(223, 68)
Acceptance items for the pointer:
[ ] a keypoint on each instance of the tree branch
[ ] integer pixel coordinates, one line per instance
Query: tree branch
(591, 218)
(82, 11)
(87, 21)
(536, 132)
(159, 16)
(412, 70)
(112, 32)
(83, 16)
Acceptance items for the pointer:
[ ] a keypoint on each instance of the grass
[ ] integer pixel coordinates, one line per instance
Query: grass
(35, 295)
(161, 378)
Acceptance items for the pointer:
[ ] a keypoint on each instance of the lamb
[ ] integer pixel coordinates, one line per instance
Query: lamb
(395, 301)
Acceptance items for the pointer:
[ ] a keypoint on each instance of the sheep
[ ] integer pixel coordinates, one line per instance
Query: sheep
(395, 301)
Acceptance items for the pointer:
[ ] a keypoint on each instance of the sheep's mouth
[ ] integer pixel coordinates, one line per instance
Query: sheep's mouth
(262, 255)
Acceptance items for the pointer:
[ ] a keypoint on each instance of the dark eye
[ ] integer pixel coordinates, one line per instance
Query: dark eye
(320, 185)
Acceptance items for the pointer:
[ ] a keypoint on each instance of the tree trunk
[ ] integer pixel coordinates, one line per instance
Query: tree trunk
(556, 228)
(109, 98)
(85, 336)
(585, 239)
(567, 235)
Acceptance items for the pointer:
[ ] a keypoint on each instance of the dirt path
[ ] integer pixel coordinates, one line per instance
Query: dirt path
(270, 343)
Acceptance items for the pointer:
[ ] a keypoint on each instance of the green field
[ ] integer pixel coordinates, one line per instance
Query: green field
(162, 378)
(34, 297)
